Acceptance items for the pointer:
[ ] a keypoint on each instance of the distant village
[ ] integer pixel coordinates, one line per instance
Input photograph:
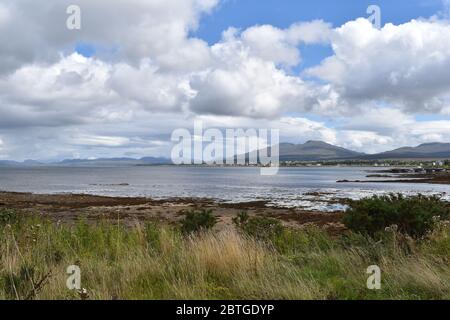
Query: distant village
(402, 166)
(407, 166)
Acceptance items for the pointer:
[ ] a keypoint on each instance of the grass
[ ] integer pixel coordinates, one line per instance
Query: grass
(151, 261)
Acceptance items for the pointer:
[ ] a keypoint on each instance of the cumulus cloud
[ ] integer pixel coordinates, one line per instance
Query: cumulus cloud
(63, 93)
(252, 88)
(401, 64)
(148, 87)
(133, 29)
(244, 78)
(281, 45)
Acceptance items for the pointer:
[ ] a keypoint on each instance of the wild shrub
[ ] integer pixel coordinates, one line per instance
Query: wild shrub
(8, 216)
(262, 228)
(198, 220)
(415, 216)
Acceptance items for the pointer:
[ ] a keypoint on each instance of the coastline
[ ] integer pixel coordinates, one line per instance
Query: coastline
(436, 178)
(68, 208)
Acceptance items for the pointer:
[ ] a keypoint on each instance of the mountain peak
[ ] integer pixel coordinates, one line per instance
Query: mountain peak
(429, 144)
(315, 142)
(315, 150)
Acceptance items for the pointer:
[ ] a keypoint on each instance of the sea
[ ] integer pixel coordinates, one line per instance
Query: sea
(309, 188)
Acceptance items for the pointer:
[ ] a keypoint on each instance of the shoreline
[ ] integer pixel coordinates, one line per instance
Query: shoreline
(426, 178)
(68, 208)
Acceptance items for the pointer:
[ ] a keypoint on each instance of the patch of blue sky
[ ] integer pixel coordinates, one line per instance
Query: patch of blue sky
(282, 13)
(89, 50)
(431, 117)
(243, 14)
(85, 49)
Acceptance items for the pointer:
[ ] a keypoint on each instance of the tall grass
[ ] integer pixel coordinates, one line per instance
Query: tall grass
(148, 261)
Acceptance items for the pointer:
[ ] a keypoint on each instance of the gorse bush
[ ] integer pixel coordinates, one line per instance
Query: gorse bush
(261, 228)
(8, 216)
(414, 216)
(198, 220)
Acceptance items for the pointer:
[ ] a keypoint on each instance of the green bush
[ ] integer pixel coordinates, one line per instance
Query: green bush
(415, 216)
(8, 216)
(262, 228)
(198, 220)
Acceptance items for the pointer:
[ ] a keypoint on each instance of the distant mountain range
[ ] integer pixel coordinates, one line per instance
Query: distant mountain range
(318, 150)
(105, 162)
(322, 151)
(309, 151)
(424, 151)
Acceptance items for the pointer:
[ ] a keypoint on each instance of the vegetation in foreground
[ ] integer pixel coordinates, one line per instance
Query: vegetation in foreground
(259, 259)
(414, 216)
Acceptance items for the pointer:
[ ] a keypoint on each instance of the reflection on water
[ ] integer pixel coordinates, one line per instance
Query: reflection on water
(309, 188)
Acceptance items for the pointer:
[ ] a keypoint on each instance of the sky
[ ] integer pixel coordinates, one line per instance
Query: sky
(139, 69)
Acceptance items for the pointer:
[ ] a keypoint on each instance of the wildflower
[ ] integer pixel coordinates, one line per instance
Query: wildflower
(436, 219)
(83, 293)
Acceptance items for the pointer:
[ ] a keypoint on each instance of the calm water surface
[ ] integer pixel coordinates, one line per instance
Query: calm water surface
(292, 187)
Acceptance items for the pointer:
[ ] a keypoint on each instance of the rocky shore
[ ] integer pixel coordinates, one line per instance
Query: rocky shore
(68, 208)
(397, 176)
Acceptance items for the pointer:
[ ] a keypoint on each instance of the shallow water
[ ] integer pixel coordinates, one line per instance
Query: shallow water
(292, 187)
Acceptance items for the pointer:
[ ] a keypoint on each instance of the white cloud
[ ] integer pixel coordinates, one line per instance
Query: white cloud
(87, 140)
(296, 130)
(148, 87)
(401, 64)
(79, 90)
(133, 29)
(67, 92)
(292, 129)
(250, 87)
(244, 78)
(281, 45)
(376, 119)
(73, 78)
(366, 141)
